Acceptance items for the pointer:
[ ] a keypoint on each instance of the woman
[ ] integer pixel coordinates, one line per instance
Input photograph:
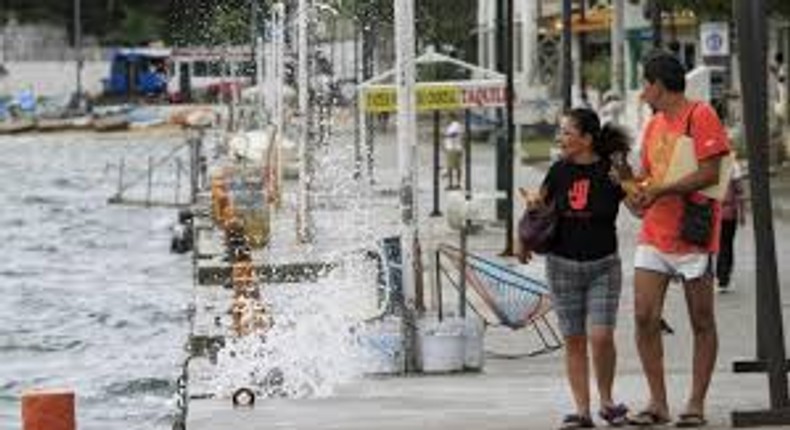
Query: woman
(582, 264)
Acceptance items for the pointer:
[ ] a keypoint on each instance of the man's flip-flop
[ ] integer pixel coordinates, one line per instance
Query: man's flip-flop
(690, 420)
(647, 418)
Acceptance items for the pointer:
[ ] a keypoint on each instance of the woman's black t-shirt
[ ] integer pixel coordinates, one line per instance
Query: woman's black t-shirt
(587, 202)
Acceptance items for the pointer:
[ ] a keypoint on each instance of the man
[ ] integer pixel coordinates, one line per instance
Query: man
(662, 254)
(455, 151)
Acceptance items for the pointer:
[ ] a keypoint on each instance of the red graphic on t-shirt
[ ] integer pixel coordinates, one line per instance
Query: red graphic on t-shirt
(577, 195)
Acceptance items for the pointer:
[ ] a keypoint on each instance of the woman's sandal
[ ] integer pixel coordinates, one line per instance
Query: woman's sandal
(647, 418)
(616, 415)
(575, 421)
(690, 420)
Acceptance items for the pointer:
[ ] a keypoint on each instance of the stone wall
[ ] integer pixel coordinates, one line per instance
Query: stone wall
(49, 78)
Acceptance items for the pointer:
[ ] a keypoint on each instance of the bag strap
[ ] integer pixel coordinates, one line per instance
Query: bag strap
(688, 133)
(689, 118)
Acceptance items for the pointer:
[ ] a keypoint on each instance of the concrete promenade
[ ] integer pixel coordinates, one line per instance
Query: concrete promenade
(513, 391)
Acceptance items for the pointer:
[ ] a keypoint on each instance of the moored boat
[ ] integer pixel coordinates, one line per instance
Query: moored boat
(18, 125)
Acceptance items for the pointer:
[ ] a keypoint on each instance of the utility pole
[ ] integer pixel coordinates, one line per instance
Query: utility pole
(405, 81)
(306, 229)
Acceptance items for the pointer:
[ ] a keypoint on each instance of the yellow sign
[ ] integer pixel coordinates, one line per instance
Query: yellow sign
(459, 95)
(434, 97)
(439, 98)
(381, 100)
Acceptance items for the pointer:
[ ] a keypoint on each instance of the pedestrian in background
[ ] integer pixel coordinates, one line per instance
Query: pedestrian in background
(732, 215)
(583, 264)
(454, 152)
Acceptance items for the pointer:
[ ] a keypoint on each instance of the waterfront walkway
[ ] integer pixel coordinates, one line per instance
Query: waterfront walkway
(514, 391)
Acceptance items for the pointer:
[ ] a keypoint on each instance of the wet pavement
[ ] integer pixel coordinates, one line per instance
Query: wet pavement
(514, 391)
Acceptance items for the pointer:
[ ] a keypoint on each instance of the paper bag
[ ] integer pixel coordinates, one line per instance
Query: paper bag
(684, 162)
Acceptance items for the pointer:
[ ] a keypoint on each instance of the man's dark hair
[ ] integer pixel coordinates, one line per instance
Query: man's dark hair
(664, 67)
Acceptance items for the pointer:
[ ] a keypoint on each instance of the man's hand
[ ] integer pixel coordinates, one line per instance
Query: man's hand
(647, 195)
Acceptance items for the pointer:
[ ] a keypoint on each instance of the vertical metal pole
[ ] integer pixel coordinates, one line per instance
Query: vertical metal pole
(786, 50)
(405, 80)
(468, 152)
(194, 165)
(278, 51)
(178, 182)
(656, 23)
(121, 168)
(438, 280)
(509, 118)
(582, 39)
(567, 65)
(367, 130)
(150, 180)
(529, 47)
(617, 46)
(466, 223)
(256, 43)
(370, 137)
(501, 137)
(78, 47)
(357, 106)
(752, 28)
(436, 155)
(306, 228)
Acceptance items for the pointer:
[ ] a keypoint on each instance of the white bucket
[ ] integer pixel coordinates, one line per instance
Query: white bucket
(442, 346)
(474, 353)
(382, 344)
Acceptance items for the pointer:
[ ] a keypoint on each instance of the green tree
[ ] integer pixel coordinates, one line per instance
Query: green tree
(136, 28)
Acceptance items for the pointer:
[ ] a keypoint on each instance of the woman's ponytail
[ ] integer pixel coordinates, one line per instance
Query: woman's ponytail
(611, 139)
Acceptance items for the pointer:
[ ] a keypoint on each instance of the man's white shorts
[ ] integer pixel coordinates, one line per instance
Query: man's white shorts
(684, 266)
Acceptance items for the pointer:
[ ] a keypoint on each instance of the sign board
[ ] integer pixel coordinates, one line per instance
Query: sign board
(714, 39)
(452, 95)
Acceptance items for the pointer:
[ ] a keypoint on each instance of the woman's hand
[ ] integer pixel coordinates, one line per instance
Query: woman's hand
(523, 254)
